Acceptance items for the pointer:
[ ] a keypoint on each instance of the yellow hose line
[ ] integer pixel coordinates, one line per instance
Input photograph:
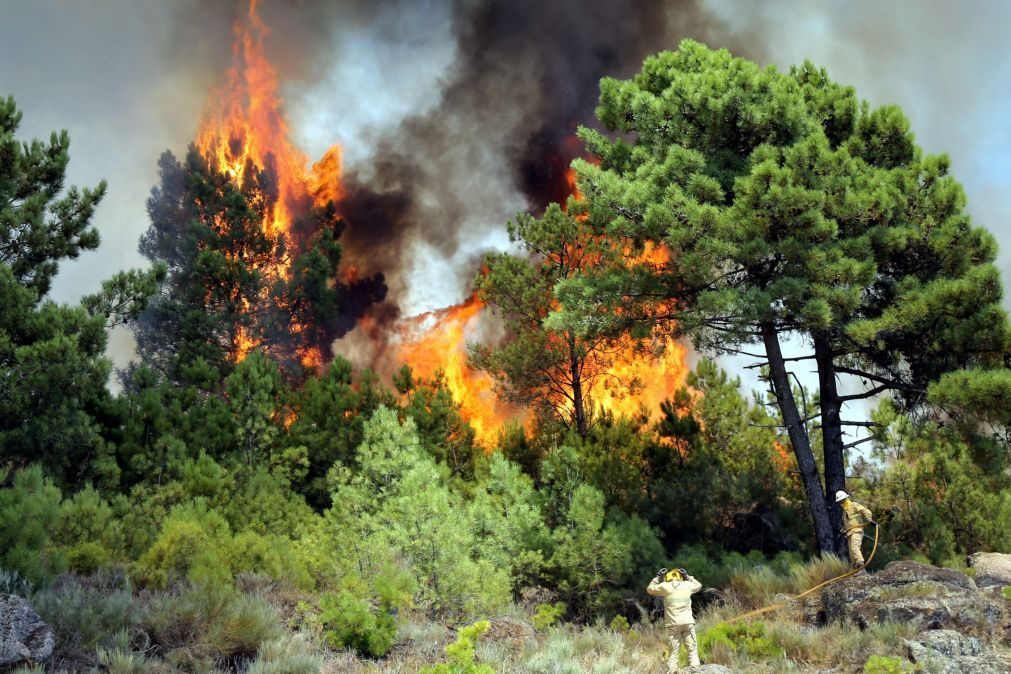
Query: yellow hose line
(773, 607)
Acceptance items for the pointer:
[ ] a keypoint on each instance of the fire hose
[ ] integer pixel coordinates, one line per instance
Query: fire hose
(773, 607)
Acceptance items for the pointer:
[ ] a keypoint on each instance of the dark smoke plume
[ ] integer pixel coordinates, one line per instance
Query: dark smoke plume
(501, 136)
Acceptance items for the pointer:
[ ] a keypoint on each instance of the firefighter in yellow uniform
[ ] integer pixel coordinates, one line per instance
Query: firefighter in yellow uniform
(855, 518)
(677, 587)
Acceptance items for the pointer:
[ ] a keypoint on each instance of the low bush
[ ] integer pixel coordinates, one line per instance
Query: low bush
(83, 617)
(548, 614)
(749, 639)
(29, 509)
(460, 653)
(882, 664)
(349, 621)
(190, 545)
(286, 655)
(209, 624)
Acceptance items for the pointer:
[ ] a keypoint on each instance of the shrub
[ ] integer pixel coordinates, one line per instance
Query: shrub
(191, 544)
(270, 555)
(29, 510)
(118, 660)
(620, 624)
(210, 623)
(747, 638)
(83, 617)
(285, 655)
(558, 656)
(461, 653)
(1007, 592)
(882, 664)
(349, 621)
(548, 614)
(89, 531)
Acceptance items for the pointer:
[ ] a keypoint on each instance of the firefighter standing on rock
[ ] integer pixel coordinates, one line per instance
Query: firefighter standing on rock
(855, 518)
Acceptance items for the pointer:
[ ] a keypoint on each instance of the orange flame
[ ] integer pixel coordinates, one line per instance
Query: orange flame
(438, 341)
(244, 127)
(638, 379)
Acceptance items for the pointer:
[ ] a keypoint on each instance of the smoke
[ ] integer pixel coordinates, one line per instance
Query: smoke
(493, 132)
(455, 114)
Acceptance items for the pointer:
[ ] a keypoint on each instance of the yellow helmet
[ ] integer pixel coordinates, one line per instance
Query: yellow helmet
(673, 576)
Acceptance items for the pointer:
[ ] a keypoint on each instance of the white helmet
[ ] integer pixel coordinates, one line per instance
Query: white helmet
(841, 496)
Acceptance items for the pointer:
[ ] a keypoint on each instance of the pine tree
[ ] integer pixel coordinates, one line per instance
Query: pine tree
(225, 294)
(551, 370)
(789, 208)
(54, 407)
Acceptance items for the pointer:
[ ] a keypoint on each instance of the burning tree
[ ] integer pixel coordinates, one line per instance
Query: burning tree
(250, 236)
(554, 371)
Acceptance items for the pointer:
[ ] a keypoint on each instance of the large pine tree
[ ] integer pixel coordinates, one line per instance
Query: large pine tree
(791, 209)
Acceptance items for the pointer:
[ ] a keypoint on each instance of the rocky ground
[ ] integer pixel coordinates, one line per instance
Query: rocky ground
(906, 617)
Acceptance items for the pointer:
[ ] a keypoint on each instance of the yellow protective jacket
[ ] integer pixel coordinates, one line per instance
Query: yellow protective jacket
(677, 599)
(855, 516)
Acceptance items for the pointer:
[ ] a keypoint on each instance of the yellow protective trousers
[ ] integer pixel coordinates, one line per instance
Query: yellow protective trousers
(677, 635)
(856, 538)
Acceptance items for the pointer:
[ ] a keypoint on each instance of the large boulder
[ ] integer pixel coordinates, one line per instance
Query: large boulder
(23, 635)
(949, 652)
(992, 568)
(907, 591)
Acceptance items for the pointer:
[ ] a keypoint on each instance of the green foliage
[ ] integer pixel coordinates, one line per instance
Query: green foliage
(191, 544)
(789, 207)
(361, 614)
(508, 523)
(460, 653)
(948, 489)
(619, 623)
(885, 664)
(350, 622)
(83, 617)
(271, 555)
(1006, 592)
(253, 391)
(441, 428)
(548, 614)
(551, 370)
(55, 405)
(29, 510)
(594, 558)
(210, 623)
(88, 532)
(748, 638)
(399, 499)
(286, 655)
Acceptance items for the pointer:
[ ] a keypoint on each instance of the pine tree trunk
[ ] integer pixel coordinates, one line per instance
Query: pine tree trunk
(577, 390)
(832, 440)
(824, 536)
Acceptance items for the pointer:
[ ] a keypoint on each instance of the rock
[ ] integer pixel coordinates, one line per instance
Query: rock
(950, 643)
(907, 591)
(23, 635)
(992, 568)
(709, 669)
(949, 652)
